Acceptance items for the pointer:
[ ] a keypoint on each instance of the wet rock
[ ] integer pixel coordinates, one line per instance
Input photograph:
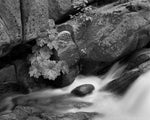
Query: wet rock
(70, 116)
(67, 49)
(144, 67)
(35, 18)
(50, 108)
(138, 58)
(23, 113)
(10, 25)
(10, 116)
(120, 85)
(83, 90)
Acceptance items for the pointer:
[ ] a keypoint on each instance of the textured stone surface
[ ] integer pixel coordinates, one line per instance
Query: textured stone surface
(10, 25)
(114, 31)
(35, 17)
(57, 8)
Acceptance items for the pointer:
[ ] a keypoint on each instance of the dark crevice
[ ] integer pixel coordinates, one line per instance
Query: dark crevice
(22, 19)
(20, 51)
(74, 11)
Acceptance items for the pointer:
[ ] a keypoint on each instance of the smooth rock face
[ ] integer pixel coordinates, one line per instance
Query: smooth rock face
(35, 17)
(83, 90)
(10, 25)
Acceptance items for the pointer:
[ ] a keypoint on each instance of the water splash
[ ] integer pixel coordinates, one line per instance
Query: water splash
(137, 99)
(134, 105)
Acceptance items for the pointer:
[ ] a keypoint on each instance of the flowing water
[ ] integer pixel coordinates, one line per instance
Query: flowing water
(134, 105)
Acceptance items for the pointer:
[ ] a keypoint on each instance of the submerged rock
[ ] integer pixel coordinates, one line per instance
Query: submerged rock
(138, 58)
(50, 108)
(121, 85)
(70, 116)
(83, 90)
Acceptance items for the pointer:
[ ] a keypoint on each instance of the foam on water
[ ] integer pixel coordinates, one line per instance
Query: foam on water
(134, 105)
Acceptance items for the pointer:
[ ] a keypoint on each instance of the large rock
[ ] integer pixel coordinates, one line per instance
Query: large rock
(112, 35)
(10, 25)
(115, 30)
(68, 52)
(35, 17)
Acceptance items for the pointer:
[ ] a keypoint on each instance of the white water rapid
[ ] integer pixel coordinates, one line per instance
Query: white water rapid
(134, 105)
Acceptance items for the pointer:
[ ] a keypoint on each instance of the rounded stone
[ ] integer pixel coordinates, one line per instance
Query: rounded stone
(83, 90)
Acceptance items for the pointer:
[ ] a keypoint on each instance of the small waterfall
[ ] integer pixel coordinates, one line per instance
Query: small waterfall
(134, 105)
(137, 99)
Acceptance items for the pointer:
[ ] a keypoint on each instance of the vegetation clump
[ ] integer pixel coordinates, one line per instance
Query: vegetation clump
(44, 60)
(85, 11)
